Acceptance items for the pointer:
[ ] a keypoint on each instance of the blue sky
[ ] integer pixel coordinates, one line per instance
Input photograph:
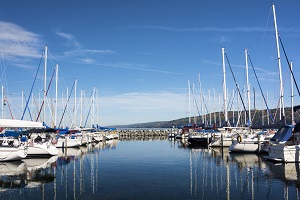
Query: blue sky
(141, 54)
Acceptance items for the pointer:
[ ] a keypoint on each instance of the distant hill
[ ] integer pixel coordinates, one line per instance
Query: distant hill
(255, 114)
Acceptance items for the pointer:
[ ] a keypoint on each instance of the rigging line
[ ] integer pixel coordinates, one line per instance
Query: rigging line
(289, 64)
(195, 101)
(259, 52)
(88, 114)
(28, 109)
(46, 96)
(270, 114)
(66, 105)
(8, 104)
(231, 101)
(235, 82)
(205, 105)
(31, 88)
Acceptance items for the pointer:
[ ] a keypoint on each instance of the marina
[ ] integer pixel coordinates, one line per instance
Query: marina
(148, 168)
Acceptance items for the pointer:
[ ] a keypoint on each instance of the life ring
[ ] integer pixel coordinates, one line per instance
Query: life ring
(239, 139)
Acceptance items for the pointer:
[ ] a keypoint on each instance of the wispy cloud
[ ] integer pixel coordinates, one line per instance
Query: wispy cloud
(88, 61)
(222, 39)
(70, 38)
(84, 52)
(17, 41)
(213, 29)
(134, 67)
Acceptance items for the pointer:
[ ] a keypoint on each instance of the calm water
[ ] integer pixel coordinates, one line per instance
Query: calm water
(148, 169)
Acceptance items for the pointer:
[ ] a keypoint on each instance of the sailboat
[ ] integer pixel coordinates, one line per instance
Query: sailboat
(13, 147)
(285, 144)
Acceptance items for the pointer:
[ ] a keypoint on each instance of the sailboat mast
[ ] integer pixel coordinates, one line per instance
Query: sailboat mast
(45, 82)
(2, 107)
(201, 100)
(292, 93)
(189, 87)
(215, 119)
(75, 103)
(224, 86)
(248, 87)
(56, 90)
(279, 63)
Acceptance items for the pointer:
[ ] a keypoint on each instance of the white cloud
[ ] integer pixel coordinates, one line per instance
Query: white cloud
(88, 60)
(17, 41)
(213, 29)
(70, 38)
(83, 52)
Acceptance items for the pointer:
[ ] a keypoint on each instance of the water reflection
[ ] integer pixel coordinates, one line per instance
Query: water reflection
(111, 169)
(287, 172)
(12, 175)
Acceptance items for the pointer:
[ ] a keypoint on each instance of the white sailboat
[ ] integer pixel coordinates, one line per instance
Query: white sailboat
(41, 144)
(12, 148)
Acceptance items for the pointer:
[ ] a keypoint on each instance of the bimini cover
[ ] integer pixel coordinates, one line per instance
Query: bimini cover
(14, 123)
(283, 134)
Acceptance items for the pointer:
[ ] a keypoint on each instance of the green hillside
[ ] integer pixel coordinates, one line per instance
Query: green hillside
(255, 114)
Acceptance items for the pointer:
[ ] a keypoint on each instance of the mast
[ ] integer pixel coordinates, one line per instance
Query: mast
(215, 119)
(248, 87)
(292, 94)
(93, 114)
(193, 91)
(22, 102)
(56, 90)
(220, 125)
(97, 106)
(81, 94)
(209, 108)
(201, 100)
(224, 87)
(279, 64)
(2, 107)
(233, 121)
(75, 101)
(45, 82)
(189, 112)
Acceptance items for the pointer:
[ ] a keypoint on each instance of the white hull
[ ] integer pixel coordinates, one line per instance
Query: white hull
(245, 146)
(218, 143)
(281, 153)
(98, 138)
(41, 149)
(67, 142)
(12, 153)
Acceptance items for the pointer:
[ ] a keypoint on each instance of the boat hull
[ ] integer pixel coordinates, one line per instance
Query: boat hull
(281, 153)
(41, 150)
(199, 140)
(244, 147)
(11, 153)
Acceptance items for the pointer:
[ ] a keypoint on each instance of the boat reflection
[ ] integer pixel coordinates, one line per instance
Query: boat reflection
(40, 171)
(287, 172)
(246, 160)
(12, 175)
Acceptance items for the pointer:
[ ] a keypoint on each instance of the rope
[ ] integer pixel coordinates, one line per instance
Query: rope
(289, 64)
(235, 83)
(272, 119)
(66, 105)
(31, 89)
(28, 109)
(46, 96)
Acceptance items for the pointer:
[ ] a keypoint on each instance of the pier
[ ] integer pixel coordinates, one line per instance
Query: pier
(131, 133)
